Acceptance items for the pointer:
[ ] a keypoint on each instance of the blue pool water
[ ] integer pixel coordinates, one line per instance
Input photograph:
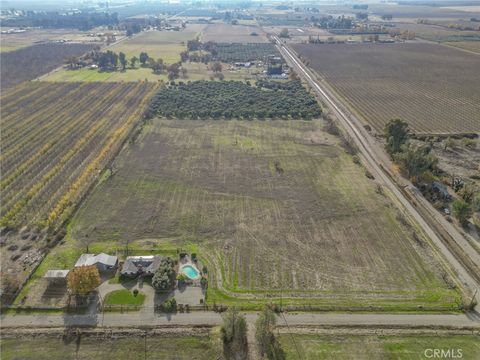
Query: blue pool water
(190, 271)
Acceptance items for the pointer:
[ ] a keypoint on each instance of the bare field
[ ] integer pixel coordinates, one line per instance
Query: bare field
(30, 62)
(15, 41)
(422, 12)
(433, 87)
(233, 34)
(272, 207)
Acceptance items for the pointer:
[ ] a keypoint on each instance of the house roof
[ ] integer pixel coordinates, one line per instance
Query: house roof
(56, 274)
(148, 264)
(92, 259)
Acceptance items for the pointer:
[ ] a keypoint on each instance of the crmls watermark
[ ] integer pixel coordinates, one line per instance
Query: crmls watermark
(443, 353)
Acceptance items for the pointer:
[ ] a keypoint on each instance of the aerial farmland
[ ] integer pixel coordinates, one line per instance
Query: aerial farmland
(282, 228)
(434, 88)
(239, 181)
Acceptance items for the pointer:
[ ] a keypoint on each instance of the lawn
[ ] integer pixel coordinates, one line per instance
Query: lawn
(124, 297)
(317, 232)
(402, 347)
(122, 348)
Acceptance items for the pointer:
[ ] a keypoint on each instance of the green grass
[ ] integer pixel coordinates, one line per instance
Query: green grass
(124, 348)
(400, 347)
(124, 297)
(86, 74)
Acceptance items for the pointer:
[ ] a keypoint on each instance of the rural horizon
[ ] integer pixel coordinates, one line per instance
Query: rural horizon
(239, 179)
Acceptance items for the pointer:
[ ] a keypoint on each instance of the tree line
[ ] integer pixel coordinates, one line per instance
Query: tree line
(112, 61)
(84, 20)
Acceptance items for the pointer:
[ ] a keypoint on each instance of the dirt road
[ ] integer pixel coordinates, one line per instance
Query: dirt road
(132, 319)
(377, 161)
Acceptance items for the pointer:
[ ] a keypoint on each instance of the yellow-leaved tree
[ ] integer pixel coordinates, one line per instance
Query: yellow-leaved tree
(83, 280)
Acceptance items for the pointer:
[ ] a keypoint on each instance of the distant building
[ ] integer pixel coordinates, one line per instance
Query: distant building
(141, 265)
(102, 261)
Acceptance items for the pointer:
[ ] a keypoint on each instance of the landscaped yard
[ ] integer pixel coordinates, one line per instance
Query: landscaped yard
(124, 297)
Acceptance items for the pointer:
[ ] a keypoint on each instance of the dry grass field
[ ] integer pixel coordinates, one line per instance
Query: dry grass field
(439, 33)
(157, 44)
(274, 208)
(233, 33)
(433, 87)
(15, 41)
(466, 45)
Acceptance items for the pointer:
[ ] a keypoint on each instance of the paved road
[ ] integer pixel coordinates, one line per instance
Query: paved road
(377, 161)
(132, 319)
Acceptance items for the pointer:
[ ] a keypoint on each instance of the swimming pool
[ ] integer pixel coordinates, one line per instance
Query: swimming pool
(190, 271)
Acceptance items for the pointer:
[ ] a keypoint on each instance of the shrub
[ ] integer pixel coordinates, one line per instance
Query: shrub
(461, 211)
(135, 292)
(170, 305)
(164, 277)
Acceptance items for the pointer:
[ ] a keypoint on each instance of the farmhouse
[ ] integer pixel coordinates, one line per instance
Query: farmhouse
(102, 261)
(141, 265)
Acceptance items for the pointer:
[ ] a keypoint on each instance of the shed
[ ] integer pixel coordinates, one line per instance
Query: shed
(102, 261)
